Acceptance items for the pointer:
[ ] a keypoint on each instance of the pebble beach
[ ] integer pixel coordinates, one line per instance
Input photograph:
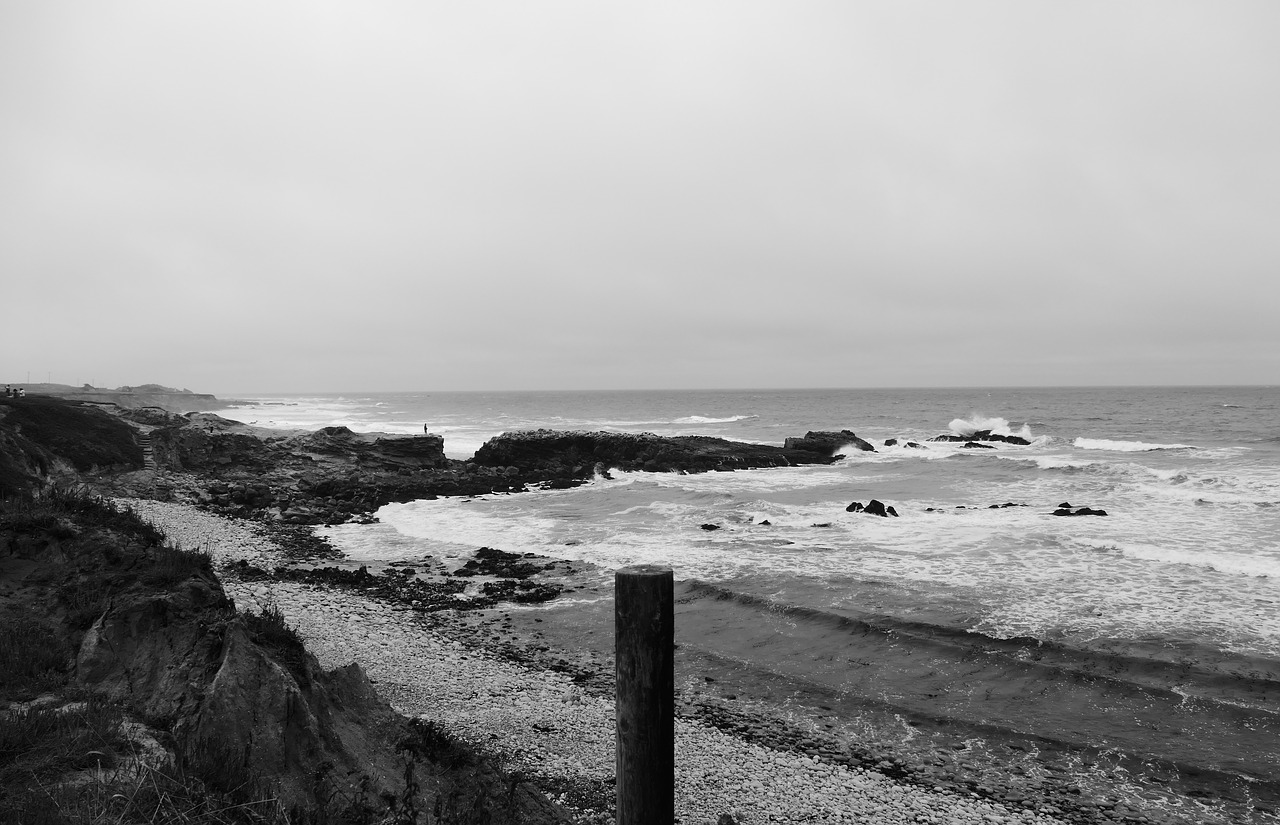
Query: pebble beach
(542, 725)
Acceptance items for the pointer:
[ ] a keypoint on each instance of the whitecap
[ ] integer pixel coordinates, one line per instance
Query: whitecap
(978, 422)
(1126, 446)
(1259, 566)
(701, 419)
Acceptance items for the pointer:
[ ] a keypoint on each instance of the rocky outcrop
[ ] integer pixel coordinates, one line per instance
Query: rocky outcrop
(46, 439)
(1065, 509)
(553, 454)
(233, 698)
(828, 442)
(874, 507)
(306, 477)
(203, 442)
(983, 435)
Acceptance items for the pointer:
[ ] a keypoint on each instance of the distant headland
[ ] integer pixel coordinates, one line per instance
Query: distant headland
(131, 398)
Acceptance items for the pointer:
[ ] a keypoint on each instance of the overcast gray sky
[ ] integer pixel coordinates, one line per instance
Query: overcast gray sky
(376, 195)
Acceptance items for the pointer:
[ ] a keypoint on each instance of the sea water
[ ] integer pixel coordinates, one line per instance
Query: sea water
(1149, 637)
(1187, 555)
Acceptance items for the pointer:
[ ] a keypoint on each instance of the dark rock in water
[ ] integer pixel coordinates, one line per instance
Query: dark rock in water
(855, 507)
(1002, 506)
(710, 526)
(913, 445)
(889, 509)
(493, 562)
(974, 445)
(1081, 511)
(875, 507)
(891, 442)
(894, 442)
(765, 523)
(823, 524)
(826, 442)
(575, 455)
(1066, 505)
(983, 435)
(521, 592)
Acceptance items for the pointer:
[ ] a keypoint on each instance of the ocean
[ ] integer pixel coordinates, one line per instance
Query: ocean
(1175, 592)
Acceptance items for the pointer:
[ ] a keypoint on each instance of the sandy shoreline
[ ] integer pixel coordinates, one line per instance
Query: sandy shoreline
(556, 729)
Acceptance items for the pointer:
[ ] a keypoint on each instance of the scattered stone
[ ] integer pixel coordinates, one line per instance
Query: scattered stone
(1080, 511)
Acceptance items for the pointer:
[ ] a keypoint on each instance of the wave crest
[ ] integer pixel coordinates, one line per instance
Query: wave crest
(1126, 446)
(978, 423)
(701, 419)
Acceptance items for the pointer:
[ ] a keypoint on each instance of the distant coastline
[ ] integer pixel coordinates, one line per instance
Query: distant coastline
(169, 399)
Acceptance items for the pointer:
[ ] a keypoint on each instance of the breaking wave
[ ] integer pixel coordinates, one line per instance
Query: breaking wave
(700, 419)
(1126, 446)
(977, 423)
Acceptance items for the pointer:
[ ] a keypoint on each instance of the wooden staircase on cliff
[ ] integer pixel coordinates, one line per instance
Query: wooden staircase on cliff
(148, 457)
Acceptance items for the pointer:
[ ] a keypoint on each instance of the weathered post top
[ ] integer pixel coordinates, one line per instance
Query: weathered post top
(644, 570)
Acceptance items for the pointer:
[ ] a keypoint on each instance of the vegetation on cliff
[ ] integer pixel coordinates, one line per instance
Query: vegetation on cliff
(132, 690)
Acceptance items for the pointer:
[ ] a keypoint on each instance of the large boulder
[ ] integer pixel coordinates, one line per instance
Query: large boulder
(827, 442)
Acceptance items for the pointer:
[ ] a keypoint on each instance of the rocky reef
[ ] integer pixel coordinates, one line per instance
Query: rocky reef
(829, 442)
(573, 456)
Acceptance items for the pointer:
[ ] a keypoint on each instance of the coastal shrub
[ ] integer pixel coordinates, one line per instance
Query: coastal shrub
(84, 600)
(143, 794)
(37, 744)
(82, 435)
(429, 742)
(220, 766)
(270, 630)
(170, 565)
(33, 659)
(70, 511)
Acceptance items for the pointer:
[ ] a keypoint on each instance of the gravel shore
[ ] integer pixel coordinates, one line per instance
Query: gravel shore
(542, 725)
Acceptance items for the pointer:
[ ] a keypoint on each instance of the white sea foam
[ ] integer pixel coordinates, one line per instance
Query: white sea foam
(1262, 564)
(699, 419)
(1051, 462)
(1126, 446)
(977, 422)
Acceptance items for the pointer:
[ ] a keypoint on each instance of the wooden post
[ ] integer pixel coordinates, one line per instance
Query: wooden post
(645, 675)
